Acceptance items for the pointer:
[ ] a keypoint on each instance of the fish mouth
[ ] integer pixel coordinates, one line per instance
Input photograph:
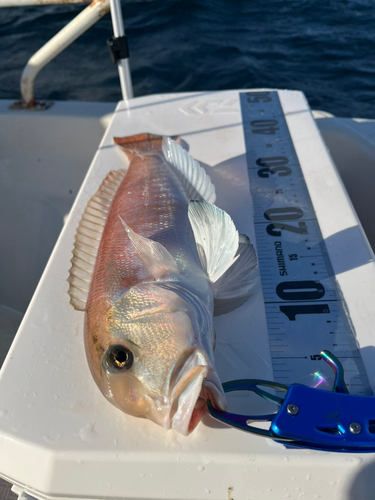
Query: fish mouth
(196, 383)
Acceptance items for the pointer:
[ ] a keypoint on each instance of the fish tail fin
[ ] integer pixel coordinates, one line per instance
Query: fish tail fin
(228, 258)
(140, 144)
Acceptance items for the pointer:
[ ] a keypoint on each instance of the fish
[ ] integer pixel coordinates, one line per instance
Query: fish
(153, 260)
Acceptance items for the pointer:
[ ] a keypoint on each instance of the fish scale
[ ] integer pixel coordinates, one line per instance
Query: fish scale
(305, 309)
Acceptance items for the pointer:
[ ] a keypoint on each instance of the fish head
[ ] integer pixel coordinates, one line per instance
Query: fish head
(152, 363)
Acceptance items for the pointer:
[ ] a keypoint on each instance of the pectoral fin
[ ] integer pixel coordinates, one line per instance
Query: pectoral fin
(238, 283)
(228, 258)
(216, 237)
(154, 256)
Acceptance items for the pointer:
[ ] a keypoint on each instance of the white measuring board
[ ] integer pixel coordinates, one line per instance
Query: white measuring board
(60, 438)
(305, 309)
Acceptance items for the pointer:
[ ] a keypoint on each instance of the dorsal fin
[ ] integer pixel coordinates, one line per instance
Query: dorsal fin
(197, 183)
(88, 236)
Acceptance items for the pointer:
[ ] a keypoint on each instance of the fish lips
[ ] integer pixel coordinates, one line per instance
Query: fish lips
(195, 383)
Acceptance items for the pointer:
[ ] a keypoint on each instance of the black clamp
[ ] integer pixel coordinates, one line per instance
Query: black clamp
(118, 48)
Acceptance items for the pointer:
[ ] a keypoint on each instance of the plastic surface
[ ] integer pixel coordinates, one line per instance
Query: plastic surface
(60, 438)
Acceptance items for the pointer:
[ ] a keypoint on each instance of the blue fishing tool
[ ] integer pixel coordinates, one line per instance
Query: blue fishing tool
(308, 417)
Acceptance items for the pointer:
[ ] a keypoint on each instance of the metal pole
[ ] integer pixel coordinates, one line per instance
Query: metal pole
(23, 3)
(123, 64)
(80, 24)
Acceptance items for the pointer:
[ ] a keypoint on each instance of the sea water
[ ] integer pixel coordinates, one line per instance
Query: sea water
(323, 47)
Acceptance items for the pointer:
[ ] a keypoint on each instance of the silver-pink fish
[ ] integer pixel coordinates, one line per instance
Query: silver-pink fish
(153, 259)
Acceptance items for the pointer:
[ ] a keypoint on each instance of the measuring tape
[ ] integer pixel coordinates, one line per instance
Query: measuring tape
(304, 307)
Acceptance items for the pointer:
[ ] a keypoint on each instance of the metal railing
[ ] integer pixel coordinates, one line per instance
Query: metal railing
(81, 23)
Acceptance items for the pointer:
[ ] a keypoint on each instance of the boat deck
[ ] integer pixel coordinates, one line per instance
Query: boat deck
(60, 421)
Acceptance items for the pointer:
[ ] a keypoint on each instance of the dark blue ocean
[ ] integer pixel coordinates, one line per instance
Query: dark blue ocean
(326, 48)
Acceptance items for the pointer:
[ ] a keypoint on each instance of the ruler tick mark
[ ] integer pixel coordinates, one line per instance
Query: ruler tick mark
(296, 232)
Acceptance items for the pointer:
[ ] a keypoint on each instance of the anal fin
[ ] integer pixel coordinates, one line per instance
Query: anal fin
(197, 183)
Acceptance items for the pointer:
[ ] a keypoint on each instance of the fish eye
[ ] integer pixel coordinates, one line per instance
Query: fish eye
(118, 358)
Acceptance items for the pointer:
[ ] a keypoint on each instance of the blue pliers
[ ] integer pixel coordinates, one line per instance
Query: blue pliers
(308, 417)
